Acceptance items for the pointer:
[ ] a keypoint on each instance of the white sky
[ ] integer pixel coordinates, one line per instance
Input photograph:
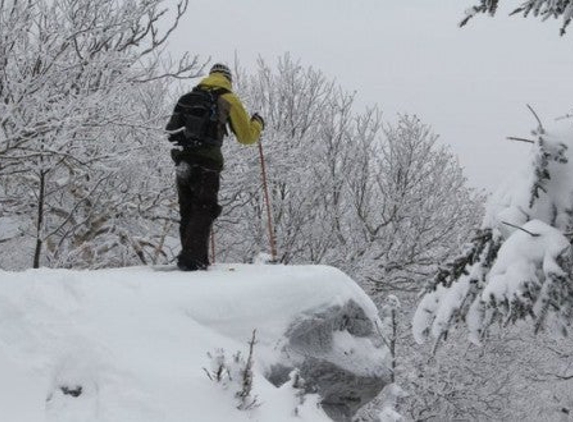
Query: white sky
(471, 85)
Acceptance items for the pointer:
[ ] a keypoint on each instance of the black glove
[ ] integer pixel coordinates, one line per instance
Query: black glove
(259, 119)
(176, 137)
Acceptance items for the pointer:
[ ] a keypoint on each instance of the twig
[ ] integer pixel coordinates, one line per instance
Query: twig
(541, 130)
(247, 382)
(513, 138)
(567, 116)
(522, 229)
(555, 377)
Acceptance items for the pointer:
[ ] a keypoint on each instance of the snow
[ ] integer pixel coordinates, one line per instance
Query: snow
(530, 217)
(136, 340)
(425, 314)
(510, 203)
(519, 258)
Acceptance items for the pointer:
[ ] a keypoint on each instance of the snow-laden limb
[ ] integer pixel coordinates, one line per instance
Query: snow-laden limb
(532, 275)
(543, 9)
(487, 6)
(519, 266)
(451, 293)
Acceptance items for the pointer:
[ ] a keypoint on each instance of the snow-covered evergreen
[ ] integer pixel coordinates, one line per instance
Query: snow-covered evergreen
(519, 264)
(543, 9)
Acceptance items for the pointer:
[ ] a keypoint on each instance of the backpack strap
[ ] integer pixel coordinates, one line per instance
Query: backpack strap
(217, 91)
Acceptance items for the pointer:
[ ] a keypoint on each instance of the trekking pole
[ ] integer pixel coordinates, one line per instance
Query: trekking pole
(267, 204)
(213, 255)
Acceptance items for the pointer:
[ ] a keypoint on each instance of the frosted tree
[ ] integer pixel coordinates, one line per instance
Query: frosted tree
(383, 202)
(75, 83)
(306, 116)
(411, 205)
(519, 264)
(543, 9)
(132, 215)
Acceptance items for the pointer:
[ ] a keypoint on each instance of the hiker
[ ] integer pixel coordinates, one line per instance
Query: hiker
(198, 125)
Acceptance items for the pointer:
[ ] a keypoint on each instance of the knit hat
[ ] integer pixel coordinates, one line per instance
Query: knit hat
(221, 68)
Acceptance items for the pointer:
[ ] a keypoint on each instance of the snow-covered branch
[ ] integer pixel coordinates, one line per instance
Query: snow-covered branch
(521, 264)
(544, 9)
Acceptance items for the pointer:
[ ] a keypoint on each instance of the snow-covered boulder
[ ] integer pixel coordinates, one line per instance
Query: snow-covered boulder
(333, 349)
(141, 345)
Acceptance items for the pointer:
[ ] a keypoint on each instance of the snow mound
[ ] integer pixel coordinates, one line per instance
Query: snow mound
(133, 344)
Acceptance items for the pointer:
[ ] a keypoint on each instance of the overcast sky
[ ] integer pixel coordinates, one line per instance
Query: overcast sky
(471, 85)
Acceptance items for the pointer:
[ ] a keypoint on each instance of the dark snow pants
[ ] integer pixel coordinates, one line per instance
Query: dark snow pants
(198, 189)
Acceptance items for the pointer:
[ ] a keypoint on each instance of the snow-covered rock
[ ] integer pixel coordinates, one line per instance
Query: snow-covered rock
(133, 344)
(333, 349)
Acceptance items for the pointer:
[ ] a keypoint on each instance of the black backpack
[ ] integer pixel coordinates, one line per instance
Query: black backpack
(199, 111)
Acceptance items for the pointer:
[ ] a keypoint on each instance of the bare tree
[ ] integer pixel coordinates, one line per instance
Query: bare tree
(73, 80)
(301, 108)
(385, 203)
(411, 203)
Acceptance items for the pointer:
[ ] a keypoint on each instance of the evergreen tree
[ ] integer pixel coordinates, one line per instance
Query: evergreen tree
(544, 9)
(519, 265)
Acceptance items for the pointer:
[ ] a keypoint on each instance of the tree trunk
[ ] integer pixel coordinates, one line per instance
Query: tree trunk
(393, 345)
(40, 220)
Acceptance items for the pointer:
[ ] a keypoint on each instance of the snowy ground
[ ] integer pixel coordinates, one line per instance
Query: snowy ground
(136, 341)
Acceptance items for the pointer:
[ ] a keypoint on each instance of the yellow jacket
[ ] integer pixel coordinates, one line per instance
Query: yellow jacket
(232, 111)
(245, 129)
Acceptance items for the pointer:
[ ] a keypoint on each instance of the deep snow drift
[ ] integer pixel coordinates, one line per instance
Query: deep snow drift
(132, 344)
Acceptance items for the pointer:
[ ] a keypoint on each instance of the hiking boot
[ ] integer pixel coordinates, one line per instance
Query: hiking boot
(189, 265)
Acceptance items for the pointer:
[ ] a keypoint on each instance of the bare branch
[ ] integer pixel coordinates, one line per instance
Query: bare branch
(522, 229)
(540, 128)
(513, 138)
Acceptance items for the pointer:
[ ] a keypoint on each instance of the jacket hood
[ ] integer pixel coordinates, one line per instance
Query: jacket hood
(217, 80)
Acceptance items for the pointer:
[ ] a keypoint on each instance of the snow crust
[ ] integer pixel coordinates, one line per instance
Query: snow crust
(136, 340)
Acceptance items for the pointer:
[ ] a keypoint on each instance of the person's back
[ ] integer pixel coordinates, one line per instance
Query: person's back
(199, 159)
